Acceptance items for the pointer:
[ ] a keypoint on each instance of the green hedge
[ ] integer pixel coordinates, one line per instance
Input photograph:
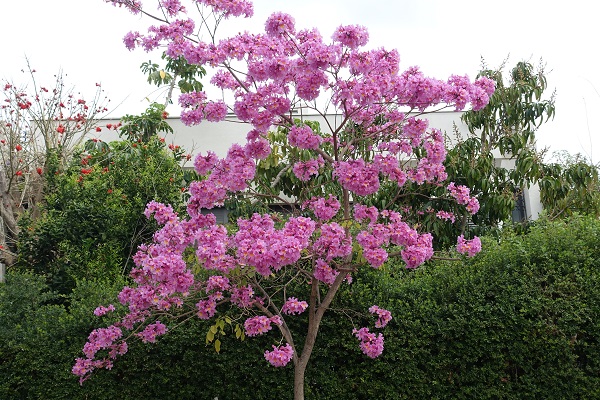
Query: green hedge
(519, 321)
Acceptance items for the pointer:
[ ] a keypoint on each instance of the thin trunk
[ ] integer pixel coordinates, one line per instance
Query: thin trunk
(314, 320)
(299, 382)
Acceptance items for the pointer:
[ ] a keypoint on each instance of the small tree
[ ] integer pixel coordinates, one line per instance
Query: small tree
(39, 129)
(570, 185)
(92, 222)
(506, 126)
(265, 264)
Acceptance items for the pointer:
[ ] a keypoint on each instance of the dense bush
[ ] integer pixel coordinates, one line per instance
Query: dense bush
(93, 219)
(520, 321)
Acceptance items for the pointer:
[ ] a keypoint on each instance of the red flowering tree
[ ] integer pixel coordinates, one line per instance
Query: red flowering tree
(39, 126)
(256, 266)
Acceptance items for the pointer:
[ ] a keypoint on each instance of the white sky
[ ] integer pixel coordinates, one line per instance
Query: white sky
(84, 38)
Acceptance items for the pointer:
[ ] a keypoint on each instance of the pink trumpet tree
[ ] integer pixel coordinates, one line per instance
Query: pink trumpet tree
(255, 264)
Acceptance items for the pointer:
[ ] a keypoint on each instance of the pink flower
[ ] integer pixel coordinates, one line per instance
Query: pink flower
(261, 324)
(470, 247)
(206, 308)
(445, 215)
(294, 306)
(352, 36)
(357, 176)
(304, 170)
(324, 209)
(203, 164)
(100, 311)
(370, 344)
(280, 356)
(303, 137)
(324, 272)
(280, 23)
(149, 334)
(383, 316)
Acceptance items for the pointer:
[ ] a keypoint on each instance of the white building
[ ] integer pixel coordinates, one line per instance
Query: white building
(218, 137)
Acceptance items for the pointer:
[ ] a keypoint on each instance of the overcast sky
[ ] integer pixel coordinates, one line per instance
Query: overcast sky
(84, 39)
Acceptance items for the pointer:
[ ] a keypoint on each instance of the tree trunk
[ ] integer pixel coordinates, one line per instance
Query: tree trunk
(299, 370)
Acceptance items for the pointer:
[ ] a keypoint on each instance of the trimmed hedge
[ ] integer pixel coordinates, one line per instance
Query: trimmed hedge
(519, 321)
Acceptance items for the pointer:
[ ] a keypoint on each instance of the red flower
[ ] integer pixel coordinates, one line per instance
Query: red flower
(60, 129)
(18, 147)
(39, 170)
(98, 129)
(109, 126)
(86, 171)
(165, 115)
(19, 173)
(109, 191)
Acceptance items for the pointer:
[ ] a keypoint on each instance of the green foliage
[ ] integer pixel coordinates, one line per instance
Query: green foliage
(515, 111)
(507, 125)
(93, 220)
(176, 70)
(149, 123)
(570, 185)
(519, 321)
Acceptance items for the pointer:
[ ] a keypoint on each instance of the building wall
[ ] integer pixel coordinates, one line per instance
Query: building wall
(218, 137)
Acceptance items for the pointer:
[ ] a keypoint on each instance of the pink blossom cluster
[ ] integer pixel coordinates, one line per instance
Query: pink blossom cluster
(417, 248)
(260, 324)
(207, 308)
(324, 273)
(383, 316)
(280, 23)
(243, 296)
(462, 195)
(362, 212)
(351, 36)
(370, 344)
(324, 209)
(197, 109)
(304, 170)
(357, 176)
(100, 339)
(150, 332)
(333, 242)
(303, 137)
(228, 8)
(262, 246)
(230, 174)
(468, 247)
(294, 306)
(446, 215)
(280, 356)
(101, 310)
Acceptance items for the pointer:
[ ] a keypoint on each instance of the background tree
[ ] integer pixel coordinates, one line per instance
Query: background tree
(39, 129)
(570, 185)
(176, 71)
(92, 222)
(505, 128)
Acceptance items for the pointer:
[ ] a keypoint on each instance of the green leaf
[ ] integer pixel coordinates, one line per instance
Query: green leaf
(210, 336)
